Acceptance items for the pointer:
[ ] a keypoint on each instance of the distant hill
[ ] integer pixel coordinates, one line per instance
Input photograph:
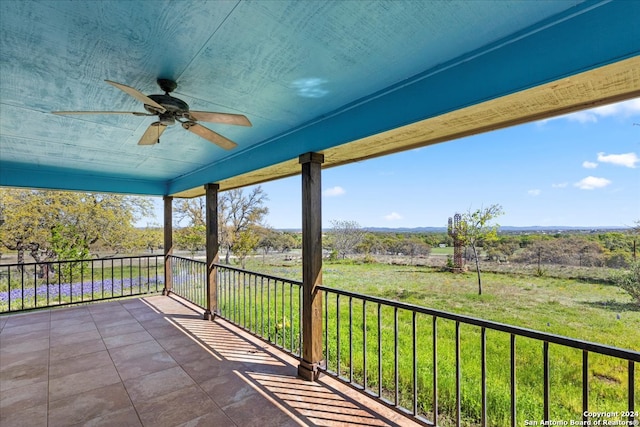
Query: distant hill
(504, 229)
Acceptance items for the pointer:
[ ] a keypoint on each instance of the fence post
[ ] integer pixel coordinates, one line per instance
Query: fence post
(168, 243)
(211, 307)
(311, 266)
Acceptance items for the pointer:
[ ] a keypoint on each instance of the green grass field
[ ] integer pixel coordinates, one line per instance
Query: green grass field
(574, 308)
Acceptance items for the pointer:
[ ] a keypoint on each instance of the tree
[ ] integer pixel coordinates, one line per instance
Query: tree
(630, 281)
(237, 213)
(476, 228)
(51, 225)
(240, 212)
(345, 236)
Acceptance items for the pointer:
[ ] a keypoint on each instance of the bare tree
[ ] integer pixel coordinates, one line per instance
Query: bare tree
(345, 236)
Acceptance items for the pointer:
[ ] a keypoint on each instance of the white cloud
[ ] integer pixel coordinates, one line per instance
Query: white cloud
(591, 183)
(628, 160)
(535, 192)
(560, 185)
(621, 110)
(589, 165)
(334, 191)
(393, 216)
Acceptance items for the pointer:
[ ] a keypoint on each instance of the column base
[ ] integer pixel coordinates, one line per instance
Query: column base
(208, 315)
(166, 292)
(308, 371)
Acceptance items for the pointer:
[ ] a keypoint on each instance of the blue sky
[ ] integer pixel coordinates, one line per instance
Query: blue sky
(581, 169)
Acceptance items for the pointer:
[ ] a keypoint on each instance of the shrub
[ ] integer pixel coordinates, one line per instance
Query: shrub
(630, 280)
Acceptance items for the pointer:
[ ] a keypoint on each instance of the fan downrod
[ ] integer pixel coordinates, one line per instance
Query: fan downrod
(167, 85)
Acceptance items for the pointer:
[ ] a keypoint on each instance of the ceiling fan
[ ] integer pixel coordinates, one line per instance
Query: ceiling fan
(171, 110)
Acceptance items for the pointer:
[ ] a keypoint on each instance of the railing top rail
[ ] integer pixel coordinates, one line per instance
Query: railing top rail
(228, 267)
(240, 270)
(528, 333)
(28, 264)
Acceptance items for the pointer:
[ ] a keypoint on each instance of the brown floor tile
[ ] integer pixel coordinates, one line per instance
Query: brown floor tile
(14, 338)
(79, 363)
(255, 409)
(126, 339)
(227, 389)
(217, 418)
(34, 416)
(24, 372)
(156, 384)
(80, 382)
(25, 347)
(178, 407)
(75, 320)
(188, 351)
(76, 349)
(134, 351)
(120, 329)
(144, 365)
(28, 318)
(17, 329)
(127, 417)
(21, 398)
(75, 338)
(81, 408)
(73, 328)
(206, 368)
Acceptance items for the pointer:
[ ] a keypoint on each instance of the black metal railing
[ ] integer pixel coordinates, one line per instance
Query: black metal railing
(267, 306)
(189, 279)
(34, 285)
(436, 366)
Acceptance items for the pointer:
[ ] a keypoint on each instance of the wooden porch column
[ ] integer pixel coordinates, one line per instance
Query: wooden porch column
(168, 243)
(311, 266)
(213, 249)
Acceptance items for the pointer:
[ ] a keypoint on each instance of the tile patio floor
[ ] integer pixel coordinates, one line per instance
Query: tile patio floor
(154, 362)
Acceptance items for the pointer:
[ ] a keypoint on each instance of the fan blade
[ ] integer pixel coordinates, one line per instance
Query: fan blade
(135, 113)
(152, 134)
(229, 119)
(137, 95)
(209, 135)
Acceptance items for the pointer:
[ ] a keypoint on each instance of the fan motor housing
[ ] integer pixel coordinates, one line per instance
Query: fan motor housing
(173, 105)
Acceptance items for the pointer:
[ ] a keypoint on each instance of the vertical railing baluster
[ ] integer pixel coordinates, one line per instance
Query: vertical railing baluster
(326, 330)
(631, 392)
(338, 334)
(284, 326)
(415, 363)
(291, 317)
(364, 344)
(435, 370)
(269, 309)
(396, 397)
(483, 362)
(513, 380)
(262, 306)
(585, 385)
(244, 300)
(350, 339)
(300, 320)
(545, 361)
(82, 281)
(275, 310)
(458, 377)
(379, 350)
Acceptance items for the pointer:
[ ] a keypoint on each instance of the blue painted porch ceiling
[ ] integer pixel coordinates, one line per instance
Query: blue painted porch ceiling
(287, 65)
